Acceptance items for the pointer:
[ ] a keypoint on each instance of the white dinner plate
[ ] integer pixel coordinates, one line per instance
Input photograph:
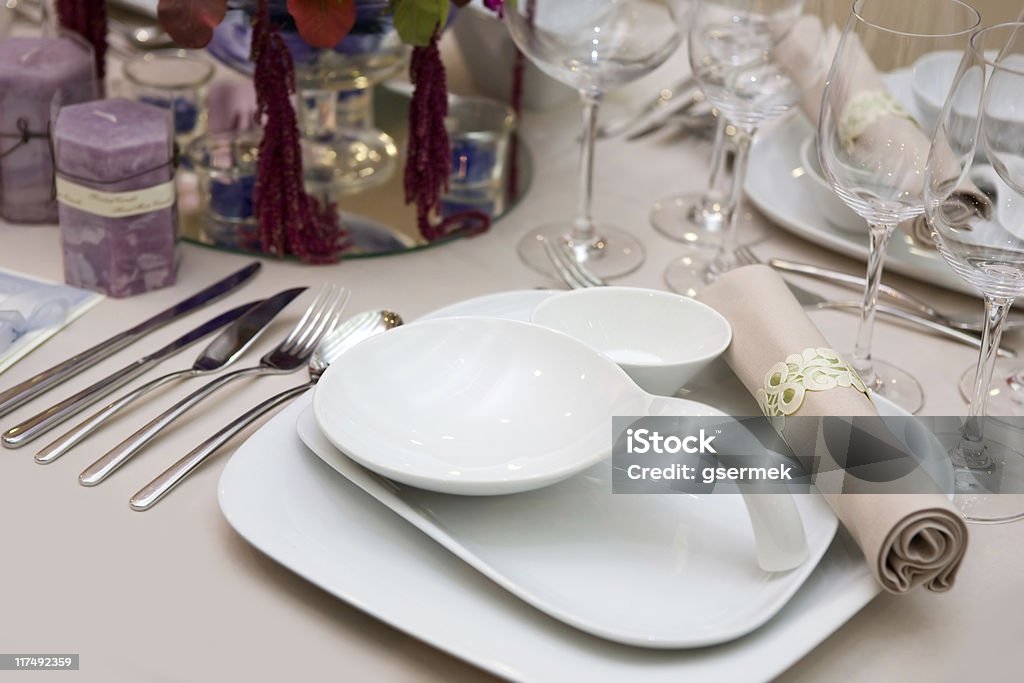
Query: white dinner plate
(780, 189)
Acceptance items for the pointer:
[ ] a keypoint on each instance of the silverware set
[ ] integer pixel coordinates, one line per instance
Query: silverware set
(313, 343)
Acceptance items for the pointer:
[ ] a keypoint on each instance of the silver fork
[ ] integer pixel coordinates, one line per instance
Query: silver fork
(289, 356)
(568, 268)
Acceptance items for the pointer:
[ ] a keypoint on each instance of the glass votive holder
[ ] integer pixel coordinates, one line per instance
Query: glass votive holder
(225, 165)
(177, 80)
(479, 131)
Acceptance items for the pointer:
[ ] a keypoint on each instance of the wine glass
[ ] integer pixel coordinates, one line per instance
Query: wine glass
(740, 53)
(873, 153)
(593, 45)
(974, 199)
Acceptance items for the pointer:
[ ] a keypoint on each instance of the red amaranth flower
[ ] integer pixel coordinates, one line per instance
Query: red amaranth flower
(87, 18)
(291, 221)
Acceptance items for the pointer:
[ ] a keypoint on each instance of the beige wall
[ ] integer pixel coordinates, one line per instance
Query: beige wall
(996, 11)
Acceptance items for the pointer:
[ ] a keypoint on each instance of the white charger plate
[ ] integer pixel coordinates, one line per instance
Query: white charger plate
(292, 506)
(778, 187)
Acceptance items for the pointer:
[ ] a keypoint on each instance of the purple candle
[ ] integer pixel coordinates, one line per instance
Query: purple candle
(115, 185)
(32, 72)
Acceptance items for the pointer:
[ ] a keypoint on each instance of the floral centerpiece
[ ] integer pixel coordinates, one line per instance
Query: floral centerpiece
(292, 221)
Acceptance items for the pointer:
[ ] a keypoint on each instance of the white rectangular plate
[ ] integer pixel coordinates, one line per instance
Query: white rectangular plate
(293, 507)
(604, 563)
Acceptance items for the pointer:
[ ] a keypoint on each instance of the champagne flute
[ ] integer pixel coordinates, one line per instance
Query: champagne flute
(593, 45)
(873, 153)
(974, 199)
(738, 53)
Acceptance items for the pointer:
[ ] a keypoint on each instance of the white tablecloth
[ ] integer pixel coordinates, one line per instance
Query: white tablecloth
(175, 595)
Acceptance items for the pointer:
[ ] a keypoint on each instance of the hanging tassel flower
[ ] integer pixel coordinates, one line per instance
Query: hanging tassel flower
(87, 18)
(291, 221)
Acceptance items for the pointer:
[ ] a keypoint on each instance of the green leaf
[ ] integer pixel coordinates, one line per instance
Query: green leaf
(416, 20)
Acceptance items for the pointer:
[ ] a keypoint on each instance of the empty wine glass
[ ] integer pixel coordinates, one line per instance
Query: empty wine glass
(873, 153)
(593, 45)
(974, 198)
(739, 53)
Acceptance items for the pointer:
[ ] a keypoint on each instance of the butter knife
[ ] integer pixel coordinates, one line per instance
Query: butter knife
(24, 432)
(811, 300)
(32, 387)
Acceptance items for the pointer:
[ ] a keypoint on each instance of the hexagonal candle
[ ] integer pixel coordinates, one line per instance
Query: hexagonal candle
(32, 72)
(115, 185)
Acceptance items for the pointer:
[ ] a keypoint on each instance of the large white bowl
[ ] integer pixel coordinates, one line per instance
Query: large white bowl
(479, 406)
(660, 339)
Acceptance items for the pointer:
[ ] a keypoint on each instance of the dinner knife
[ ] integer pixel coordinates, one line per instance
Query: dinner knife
(32, 387)
(811, 300)
(22, 433)
(224, 350)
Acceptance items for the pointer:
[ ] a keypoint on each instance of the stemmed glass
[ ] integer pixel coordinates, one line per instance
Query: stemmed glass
(873, 153)
(738, 55)
(593, 45)
(974, 198)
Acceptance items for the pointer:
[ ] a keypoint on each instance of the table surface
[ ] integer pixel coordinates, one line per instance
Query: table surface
(175, 595)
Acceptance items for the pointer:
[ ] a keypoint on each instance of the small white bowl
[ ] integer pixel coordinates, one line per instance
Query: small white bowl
(660, 339)
(933, 75)
(831, 205)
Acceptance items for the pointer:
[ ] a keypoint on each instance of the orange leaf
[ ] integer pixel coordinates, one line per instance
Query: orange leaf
(323, 23)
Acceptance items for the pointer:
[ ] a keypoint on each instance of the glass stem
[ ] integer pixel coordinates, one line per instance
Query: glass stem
(583, 226)
(725, 259)
(971, 451)
(355, 109)
(879, 239)
(718, 150)
(319, 113)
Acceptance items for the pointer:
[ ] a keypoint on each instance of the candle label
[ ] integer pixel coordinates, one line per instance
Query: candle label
(115, 204)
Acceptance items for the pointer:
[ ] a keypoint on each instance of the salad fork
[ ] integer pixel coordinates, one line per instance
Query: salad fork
(568, 268)
(289, 356)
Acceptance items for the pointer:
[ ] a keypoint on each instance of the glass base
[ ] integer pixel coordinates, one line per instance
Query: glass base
(693, 269)
(700, 220)
(694, 218)
(896, 385)
(349, 161)
(1005, 394)
(612, 253)
(978, 489)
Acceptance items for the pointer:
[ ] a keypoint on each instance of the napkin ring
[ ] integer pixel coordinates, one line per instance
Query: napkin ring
(862, 110)
(816, 369)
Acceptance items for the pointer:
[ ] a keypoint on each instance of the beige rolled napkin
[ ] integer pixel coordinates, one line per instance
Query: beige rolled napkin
(907, 539)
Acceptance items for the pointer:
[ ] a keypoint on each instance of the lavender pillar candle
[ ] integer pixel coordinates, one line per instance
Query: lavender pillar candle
(32, 72)
(115, 184)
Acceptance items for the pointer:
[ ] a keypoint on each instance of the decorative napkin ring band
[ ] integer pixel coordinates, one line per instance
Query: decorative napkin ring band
(787, 383)
(862, 110)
